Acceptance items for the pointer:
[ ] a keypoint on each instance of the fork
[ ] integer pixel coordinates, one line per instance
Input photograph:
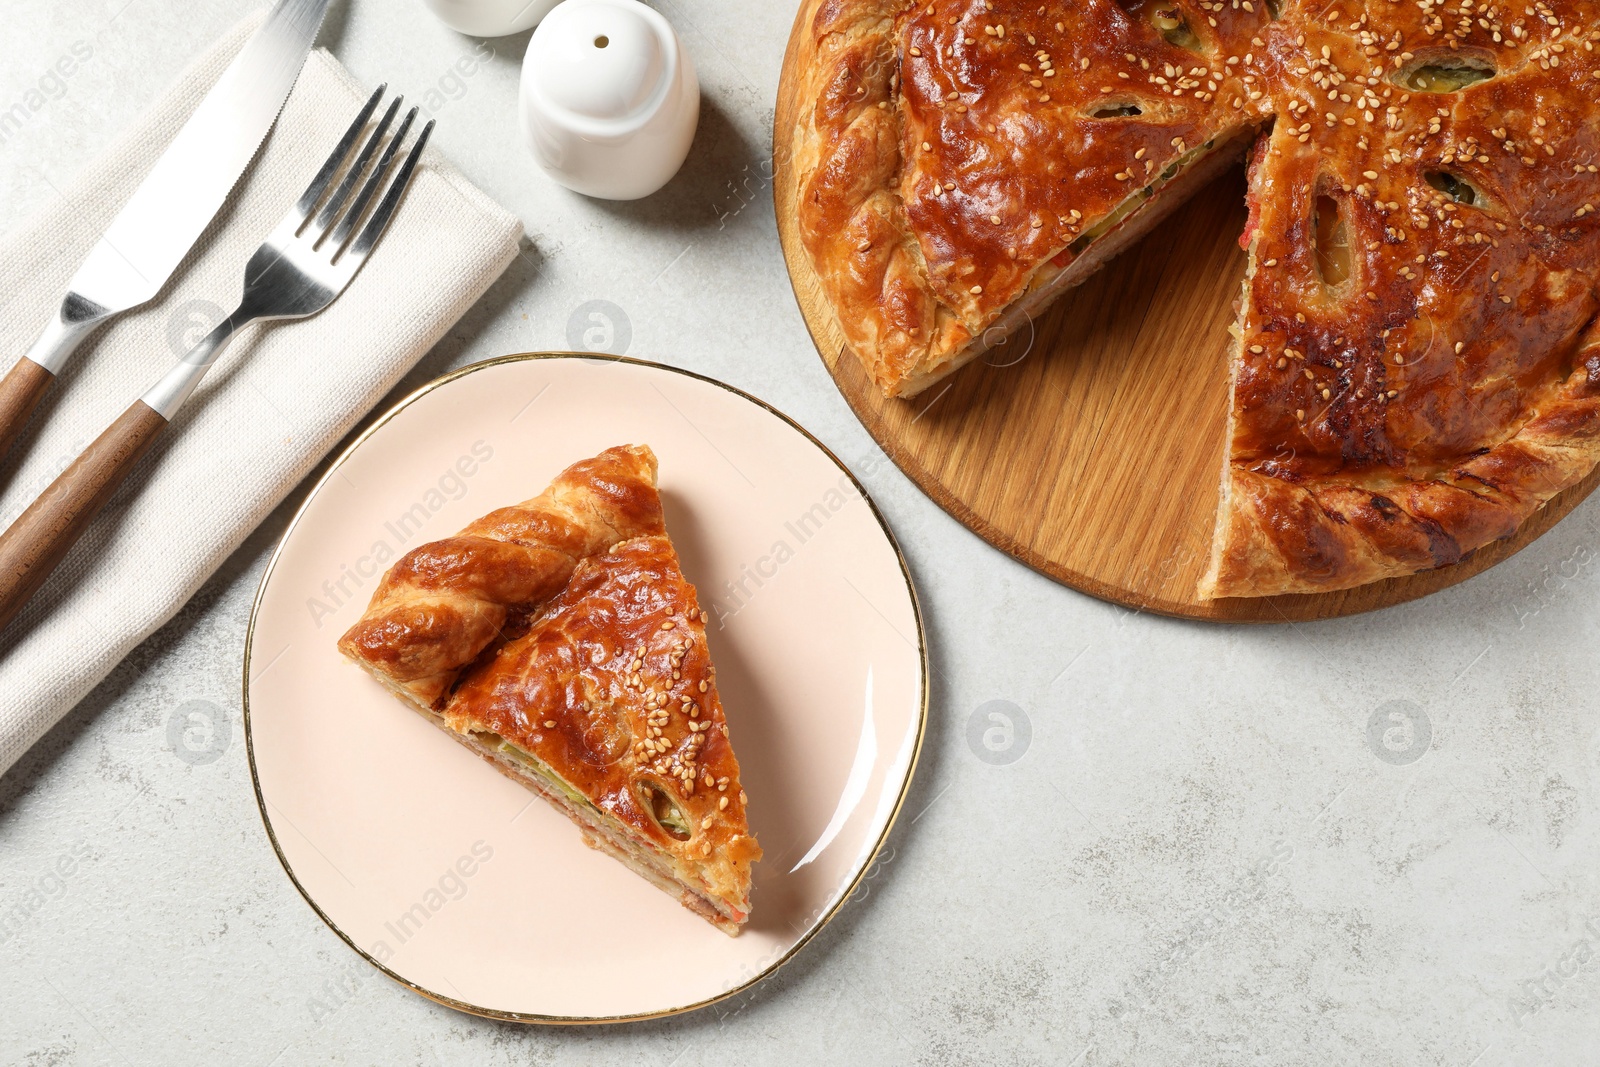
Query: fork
(301, 268)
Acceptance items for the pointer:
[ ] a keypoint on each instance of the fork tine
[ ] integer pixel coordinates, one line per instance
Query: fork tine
(391, 199)
(341, 232)
(319, 185)
(330, 210)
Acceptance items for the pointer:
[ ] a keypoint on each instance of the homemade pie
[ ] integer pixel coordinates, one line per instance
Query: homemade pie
(1417, 366)
(559, 640)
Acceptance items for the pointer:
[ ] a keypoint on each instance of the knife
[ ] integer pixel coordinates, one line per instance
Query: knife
(172, 206)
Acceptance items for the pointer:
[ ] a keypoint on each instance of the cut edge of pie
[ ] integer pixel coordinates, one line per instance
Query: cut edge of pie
(1350, 535)
(1125, 226)
(650, 775)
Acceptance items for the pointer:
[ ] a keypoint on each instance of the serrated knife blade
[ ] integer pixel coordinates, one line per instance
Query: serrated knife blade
(173, 205)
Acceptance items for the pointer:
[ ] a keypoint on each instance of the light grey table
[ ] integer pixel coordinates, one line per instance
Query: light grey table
(1370, 841)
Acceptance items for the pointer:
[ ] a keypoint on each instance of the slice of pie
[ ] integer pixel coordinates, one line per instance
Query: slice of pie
(560, 640)
(1417, 367)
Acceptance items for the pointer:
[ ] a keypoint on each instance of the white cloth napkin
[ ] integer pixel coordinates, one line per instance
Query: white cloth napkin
(279, 399)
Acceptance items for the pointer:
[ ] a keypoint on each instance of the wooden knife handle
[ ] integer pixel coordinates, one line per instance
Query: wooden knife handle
(20, 391)
(33, 546)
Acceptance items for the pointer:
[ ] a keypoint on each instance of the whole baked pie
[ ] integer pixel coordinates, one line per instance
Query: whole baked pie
(559, 640)
(1416, 367)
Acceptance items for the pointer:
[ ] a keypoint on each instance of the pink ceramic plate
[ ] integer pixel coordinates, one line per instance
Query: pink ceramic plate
(456, 881)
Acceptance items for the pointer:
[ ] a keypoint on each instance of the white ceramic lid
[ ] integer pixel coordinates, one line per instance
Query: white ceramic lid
(601, 59)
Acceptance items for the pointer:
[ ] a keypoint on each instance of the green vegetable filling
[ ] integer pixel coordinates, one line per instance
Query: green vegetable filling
(1134, 202)
(1453, 187)
(1170, 21)
(1446, 77)
(663, 808)
(542, 768)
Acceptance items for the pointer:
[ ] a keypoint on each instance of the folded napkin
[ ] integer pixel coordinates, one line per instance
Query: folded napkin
(281, 396)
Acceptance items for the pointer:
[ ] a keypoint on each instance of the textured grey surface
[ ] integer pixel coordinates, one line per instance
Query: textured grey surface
(1369, 841)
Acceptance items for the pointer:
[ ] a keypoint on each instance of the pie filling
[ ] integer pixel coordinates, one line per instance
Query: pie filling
(601, 831)
(1447, 75)
(1098, 245)
(1134, 202)
(1208, 580)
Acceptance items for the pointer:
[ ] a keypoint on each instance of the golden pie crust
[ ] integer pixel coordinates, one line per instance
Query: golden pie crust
(560, 640)
(1417, 368)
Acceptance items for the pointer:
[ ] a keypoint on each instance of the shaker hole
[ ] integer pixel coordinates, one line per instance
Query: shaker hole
(601, 41)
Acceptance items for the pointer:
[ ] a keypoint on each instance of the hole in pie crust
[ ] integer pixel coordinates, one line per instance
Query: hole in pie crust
(1448, 72)
(1455, 187)
(1331, 234)
(1168, 20)
(1118, 110)
(665, 811)
(1171, 23)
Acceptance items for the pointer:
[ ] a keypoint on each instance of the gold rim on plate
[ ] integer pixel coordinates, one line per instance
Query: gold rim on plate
(531, 1017)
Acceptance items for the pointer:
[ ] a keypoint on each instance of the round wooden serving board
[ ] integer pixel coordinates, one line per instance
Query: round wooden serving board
(1092, 450)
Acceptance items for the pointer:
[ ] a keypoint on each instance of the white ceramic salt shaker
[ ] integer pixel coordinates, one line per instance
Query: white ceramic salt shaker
(610, 100)
(490, 18)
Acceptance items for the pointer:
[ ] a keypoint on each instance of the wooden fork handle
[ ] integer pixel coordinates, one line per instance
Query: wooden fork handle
(20, 392)
(36, 543)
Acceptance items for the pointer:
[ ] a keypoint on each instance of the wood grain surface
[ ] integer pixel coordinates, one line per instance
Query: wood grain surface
(33, 546)
(1089, 445)
(20, 392)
